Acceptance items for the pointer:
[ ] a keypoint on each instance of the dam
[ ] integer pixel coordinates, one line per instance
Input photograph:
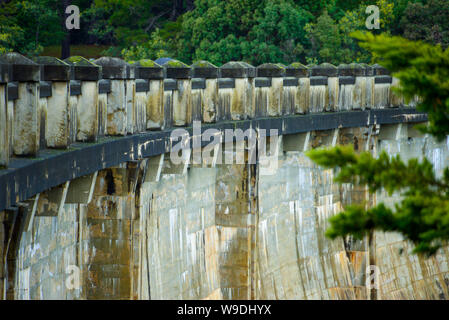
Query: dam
(92, 207)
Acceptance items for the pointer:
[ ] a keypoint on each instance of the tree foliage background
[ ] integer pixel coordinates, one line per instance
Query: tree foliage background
(256, 31)
(422, 214)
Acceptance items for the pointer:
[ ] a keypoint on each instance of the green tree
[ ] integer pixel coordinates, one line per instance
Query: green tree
(422, 216)
(27, 26)
(251, 30)
(428, 22)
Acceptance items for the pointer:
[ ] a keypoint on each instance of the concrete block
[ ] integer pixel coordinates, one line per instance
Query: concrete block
(83, 69)
(115, 68)
(117, 109)
(155, 105)
(51, 202)
(81, 189)
(237, 69)
(131, 110)
(20, 68)
(170, 167)
(53, 69)
(296, 142)
(148, 69)
(87, 112)
(4, 124)
(393, 131)
(168, 107)
(26, 121)
(154, 168)
(182, 110)
(112, 181)
(57, 134)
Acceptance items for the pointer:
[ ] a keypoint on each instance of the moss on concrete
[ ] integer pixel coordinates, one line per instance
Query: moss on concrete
(176, 64)
(49, 61)
(297, 65)
(203, 64)
(79, 61)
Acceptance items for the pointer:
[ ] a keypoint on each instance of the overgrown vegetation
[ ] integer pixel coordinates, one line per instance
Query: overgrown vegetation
(422, 216)
(255, 31)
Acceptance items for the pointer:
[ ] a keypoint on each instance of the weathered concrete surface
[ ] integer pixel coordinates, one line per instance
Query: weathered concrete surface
(57, 117)
(117, 108)
(4, 124)
(155, 105)
(182, 212)
(87, 112)
(45, 252)
(219, 233)
(295, 260)
(182, 112)
(26, 120)
(403, 275)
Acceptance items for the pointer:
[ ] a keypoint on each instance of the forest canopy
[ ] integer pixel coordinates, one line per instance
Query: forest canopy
(256, 31)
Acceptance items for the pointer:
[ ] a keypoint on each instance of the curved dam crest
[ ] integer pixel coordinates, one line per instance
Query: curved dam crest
(91, 206)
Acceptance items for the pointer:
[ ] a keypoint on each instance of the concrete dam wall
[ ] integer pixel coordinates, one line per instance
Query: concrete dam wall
(92, 207)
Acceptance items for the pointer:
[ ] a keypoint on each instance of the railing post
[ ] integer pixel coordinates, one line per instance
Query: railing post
(296, 86)
(25, 130)
(270, 75)
(352, 81)
(54, 102)
(382, 87)
(239, 102)
(323, 87)
(86, 114)
(180, 102)
(120, 109)
(204, 91)
(153, 74)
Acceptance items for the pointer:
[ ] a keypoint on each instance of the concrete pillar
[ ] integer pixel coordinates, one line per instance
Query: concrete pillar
(154, 104)
(180, 96)
(134, 123)
(236, 219)
(382, 87)
(104, 89)
(226, 88)
(109, 230)
(55, 117)
(268, 89)
(369, 92)
(170, 85)
(4, 119)
(296, 89)
(241, 99)
(397, 100)
(120, 107)
(352, 82)
(26, 128)
(204, 91)
(87, 102)
(323, 88)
